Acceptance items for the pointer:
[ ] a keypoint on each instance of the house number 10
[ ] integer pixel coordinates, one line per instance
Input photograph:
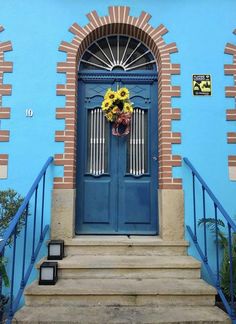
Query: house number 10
(29, 113)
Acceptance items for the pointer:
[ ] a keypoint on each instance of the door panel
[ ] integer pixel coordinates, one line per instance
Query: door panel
(136, 193)
(96, 208)
(116, 176)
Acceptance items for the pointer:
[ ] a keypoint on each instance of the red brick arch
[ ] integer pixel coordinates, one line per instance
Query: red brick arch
(119, 22)
(5, 90)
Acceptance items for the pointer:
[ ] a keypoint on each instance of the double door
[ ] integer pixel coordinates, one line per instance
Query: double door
(116, 176)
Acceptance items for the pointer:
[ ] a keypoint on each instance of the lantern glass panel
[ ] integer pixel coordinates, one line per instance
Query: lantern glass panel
(54, 249)
(47, 273)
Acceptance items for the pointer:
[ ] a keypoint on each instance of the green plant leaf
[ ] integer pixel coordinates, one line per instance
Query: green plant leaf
(3, 273)
(212, 225)
(211, 222)
(10, 202)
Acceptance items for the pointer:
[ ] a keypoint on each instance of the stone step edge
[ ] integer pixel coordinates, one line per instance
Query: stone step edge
(191, 314)
(123, 242)
(65, 264)
(35, 290)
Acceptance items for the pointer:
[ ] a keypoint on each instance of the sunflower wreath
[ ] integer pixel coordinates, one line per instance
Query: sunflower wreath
(118, 110)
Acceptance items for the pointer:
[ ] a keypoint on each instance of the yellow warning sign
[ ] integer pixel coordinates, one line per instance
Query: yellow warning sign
(201, 85)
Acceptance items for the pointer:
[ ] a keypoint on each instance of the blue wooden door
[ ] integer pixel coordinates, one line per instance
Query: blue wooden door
(117, 176)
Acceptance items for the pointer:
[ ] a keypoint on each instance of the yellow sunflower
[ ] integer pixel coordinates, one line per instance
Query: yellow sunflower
(115, 110)
(109, 116)
(111, 95)
(107, 93)
(106, 104)
(128, 108)
(123, 94)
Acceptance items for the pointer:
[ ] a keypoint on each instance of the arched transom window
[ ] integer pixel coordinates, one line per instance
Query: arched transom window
(117, 53)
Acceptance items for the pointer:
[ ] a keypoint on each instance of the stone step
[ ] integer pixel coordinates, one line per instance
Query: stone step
(121, 315)
(124, 245)
(123, 266)
(125, 292)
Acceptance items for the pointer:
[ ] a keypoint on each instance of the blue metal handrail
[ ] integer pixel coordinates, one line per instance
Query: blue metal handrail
(11, 231)
(231, 225)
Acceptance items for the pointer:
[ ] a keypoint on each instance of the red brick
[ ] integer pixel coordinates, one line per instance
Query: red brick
(5, 89)
(230, 49)
(159, 31)
(5, 46)
(230, 91)
(6, 66)
(4, 113)
(232, 160)
(57, 179)
(64, 186)
(77, 30)
(4, 135)
(230, 69)
(143, 19)
(171, 186)
(3, 159)
(94, 18)
(68, 47)
(170, 48)
(231, 137)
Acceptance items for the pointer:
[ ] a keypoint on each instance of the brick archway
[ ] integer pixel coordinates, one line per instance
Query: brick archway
(119, 21)
(5, 90)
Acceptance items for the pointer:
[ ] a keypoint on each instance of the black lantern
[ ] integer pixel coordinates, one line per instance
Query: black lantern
(55, 250)
(48, 273)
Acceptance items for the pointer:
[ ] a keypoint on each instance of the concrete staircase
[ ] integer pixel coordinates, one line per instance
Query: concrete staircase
(123, 280)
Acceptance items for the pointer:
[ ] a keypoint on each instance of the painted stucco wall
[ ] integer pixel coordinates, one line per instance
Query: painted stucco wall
(200, 29)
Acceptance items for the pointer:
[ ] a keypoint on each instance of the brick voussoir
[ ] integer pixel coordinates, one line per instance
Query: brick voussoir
(78, 30)
(94, 18)
(67, 47)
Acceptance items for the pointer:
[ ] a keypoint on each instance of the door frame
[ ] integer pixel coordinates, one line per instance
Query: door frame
(118, 20)
(138, 77)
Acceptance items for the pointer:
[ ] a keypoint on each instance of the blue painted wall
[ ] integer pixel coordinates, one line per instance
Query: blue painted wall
(200, 28)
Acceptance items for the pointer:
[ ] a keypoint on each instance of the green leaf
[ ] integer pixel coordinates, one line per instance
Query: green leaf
(10, 202)
(212, 225)
(4, 275)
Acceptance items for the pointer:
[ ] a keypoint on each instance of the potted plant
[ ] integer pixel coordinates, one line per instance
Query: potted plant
(10, 202)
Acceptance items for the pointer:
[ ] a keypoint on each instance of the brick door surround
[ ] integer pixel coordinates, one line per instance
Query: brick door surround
(230, 92)
(5, 90)
(119, 21)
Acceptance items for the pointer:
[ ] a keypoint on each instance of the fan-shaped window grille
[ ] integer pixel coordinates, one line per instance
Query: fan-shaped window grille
(117, 53)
